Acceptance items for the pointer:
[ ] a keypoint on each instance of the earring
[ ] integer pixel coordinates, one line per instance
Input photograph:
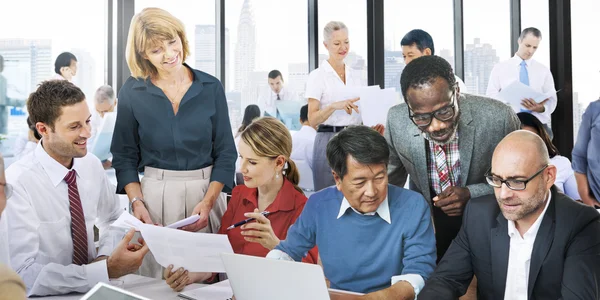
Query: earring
(276, 175)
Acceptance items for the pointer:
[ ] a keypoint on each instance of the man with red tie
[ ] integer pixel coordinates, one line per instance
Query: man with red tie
(59, 193)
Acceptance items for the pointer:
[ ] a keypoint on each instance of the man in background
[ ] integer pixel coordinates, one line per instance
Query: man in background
(304, 140)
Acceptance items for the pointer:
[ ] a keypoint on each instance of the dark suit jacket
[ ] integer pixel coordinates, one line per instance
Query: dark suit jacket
(565, 261)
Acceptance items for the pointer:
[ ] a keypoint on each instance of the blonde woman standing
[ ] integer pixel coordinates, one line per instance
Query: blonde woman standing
(326, 110)
(173, 124)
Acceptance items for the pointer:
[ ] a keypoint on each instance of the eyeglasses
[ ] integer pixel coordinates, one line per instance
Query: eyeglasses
(513, 184)
(7, 189)
(443, 114)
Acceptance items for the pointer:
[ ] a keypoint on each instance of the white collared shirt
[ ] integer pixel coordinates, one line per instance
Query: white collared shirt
(383, 211)
(39, 222)
(540, 79)
(303, 142)
(268, 100)
(325, 85)
(519, 258)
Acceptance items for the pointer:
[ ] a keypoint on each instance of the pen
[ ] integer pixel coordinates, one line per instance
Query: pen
(240, 223)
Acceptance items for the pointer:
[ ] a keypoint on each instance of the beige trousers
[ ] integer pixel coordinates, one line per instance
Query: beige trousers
(172, 196)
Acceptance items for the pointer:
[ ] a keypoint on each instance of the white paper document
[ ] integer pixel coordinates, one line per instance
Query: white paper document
(196, 252)
(375, 104)
(515, 92)
(218, 291)
(187, 221)
(127, 221)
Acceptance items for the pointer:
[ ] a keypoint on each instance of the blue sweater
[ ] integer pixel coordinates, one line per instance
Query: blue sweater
(361, 253)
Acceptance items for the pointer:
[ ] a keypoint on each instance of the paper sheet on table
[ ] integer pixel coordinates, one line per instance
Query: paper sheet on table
(127, 221)
(218, 291)
(196, 252)
(375, 104)
(187, 221)
(515, 92)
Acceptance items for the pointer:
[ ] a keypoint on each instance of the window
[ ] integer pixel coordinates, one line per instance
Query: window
(487, 40)
(439, 23)
(198, 16)
(30, 48)
(265, 35)
(586, 63)
(354, 14)
(534, 13)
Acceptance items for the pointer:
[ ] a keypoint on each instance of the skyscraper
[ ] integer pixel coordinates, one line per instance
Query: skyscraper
(205, 49)
(26, 64)
(297, 78)
(245, 48)
(480, 59)
(394, 65)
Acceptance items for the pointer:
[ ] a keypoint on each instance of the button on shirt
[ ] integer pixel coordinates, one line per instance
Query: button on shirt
(540, 79)
(148, 133)
(283, 213)
(325, 85)
(519, 258)
(39, 222)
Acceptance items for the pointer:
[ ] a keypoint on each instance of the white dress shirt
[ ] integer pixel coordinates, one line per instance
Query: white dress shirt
(565, 177)
(519, 258)
(383, 211)
(302, 145)
(268, 100)
(4, 257)
(540, 79)
(39, 222)
(325, 85)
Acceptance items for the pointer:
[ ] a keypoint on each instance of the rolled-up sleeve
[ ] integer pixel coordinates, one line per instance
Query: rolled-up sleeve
(125, 143)
(224, 153)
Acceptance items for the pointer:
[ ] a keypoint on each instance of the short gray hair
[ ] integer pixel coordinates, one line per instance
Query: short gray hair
(530, 30)
(104, 93)
(331, 27)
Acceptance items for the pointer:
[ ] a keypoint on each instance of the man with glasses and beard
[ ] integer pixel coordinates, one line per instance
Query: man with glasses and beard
(529, 241)
(444, 140)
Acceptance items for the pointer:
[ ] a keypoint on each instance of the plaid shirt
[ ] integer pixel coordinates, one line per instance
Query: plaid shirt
(452, 160)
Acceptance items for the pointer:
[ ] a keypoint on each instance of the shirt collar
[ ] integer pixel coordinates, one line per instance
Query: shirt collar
(532, 231)
(284, 200)
(327, 67)
(198, 77)
(307, 128)
(55, 171)
(383, 211)
(517, 60)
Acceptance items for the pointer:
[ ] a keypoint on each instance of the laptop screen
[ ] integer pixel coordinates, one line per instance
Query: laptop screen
(104, 293)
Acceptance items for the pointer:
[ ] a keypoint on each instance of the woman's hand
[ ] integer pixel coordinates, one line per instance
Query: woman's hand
(176, 280)
(140, 212)
(203, 208)
(347, 105)
(260, 231)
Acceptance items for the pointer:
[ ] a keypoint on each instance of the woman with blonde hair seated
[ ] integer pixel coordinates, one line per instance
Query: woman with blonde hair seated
(271, 185)
(173, 124)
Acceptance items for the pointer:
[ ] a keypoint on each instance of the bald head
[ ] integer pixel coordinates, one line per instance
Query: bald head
(524, 146)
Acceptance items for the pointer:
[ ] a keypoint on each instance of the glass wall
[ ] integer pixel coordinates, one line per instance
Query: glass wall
(487, 40)
(586, 61)
(262, 36)
(439, 23)
(29, 47)
(354, 14)
(534, 13)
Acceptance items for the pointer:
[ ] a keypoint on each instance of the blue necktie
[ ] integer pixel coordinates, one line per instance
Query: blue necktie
(524, 79)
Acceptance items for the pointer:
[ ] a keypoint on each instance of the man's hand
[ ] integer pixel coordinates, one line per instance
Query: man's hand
(141, 212)
(203, 209)
(530, 104)
(126, 258)
(260, 231)
(452, 200)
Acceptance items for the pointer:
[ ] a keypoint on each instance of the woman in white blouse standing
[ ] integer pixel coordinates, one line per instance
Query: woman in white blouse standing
(327, 108)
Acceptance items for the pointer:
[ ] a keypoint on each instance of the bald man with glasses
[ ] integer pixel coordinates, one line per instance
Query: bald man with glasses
(528, 240)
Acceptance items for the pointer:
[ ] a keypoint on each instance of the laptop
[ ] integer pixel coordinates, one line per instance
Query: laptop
(259, 278)
(104, 291)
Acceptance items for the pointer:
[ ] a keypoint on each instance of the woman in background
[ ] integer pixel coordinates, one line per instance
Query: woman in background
(565, 178)
(271, 185)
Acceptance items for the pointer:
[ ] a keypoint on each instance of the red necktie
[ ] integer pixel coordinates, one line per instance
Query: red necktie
(78, 231)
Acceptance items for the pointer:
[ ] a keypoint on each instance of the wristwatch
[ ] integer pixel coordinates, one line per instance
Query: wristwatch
(137, 199)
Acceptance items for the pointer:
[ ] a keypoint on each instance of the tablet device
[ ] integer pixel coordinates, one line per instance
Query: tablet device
(103, 291)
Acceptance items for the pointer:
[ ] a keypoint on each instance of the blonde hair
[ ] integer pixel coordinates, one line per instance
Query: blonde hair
(331, 27)
(268, 137)
(148, 28)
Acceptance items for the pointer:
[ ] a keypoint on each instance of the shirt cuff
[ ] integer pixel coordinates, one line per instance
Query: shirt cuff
(415, 280)
(278, 255)
(96, 272)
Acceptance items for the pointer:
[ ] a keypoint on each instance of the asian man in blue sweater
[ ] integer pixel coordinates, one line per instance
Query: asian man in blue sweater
(373, 237)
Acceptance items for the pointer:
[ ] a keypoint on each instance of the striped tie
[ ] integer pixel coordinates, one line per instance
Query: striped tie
(441, 165)
(78, 230)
